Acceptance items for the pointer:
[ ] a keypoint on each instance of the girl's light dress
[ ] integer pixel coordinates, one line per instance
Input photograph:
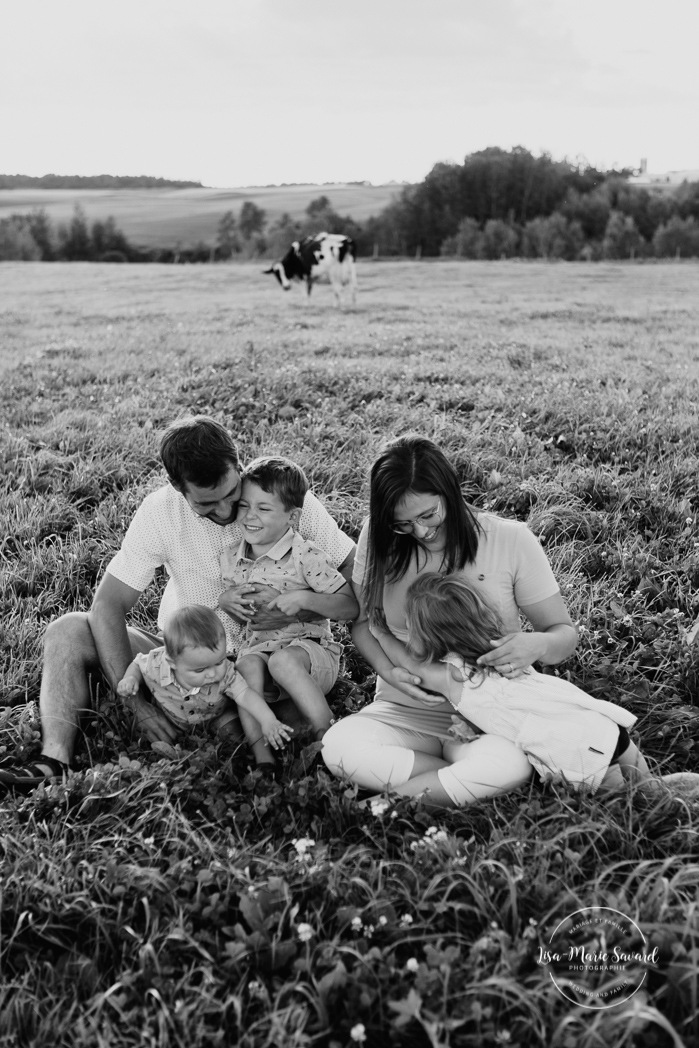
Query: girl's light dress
(562, 730)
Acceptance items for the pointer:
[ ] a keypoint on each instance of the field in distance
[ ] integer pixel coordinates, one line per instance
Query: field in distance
(162, 217)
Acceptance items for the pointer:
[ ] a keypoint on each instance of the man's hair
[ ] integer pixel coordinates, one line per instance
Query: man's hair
(194, 626)
(445, 614)
(197, 450)
(278, 476)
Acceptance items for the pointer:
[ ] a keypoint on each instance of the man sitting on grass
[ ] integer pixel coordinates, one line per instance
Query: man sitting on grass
(183, 527)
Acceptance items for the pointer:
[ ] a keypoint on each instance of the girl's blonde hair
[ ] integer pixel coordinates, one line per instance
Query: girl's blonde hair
(446, 615)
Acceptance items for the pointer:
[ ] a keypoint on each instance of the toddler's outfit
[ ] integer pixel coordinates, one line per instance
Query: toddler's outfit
(562, 730)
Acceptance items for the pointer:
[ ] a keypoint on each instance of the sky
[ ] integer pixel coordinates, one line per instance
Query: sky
(256, 92)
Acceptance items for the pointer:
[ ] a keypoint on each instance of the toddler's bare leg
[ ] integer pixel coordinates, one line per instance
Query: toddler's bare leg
(613, 779)
(227, 725)
(629, 767)
(633, 764)
(254, 671)
(290, 667)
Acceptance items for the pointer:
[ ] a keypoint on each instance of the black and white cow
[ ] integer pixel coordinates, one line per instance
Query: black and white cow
(321, 257)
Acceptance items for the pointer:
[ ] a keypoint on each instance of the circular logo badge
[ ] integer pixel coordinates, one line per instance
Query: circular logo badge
(597, 957)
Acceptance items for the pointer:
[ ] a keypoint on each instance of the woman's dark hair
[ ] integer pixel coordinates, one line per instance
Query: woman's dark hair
(197, 450)
(412, 465)
(447, 615)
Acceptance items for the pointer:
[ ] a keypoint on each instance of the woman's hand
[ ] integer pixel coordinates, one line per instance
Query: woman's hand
(514, 653)
(409, 684)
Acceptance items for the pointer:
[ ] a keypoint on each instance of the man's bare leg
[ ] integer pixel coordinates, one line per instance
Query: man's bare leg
(69, 657)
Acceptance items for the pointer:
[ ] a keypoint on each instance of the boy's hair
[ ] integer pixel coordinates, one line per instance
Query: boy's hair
(278, 476)
(412, 465)
(445, 614)
(197, 450)
(194, 626)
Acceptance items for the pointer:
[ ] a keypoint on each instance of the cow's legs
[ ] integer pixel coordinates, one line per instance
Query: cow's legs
(309, 284)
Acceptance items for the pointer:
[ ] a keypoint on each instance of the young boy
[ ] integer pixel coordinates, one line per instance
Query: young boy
(302, 659)
(192, 681)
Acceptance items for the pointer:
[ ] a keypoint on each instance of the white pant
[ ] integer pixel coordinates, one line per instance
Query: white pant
(376, 755)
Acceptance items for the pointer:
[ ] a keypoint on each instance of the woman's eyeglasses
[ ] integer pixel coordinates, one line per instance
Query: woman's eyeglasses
(428, 520)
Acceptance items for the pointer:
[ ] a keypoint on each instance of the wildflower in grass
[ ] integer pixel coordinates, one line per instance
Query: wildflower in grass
(383, 920)
(435, 836)
(379, 805)
(305, 932)
(406, 920)
(256, 989)
(303, 845)
(412, 965)
(356, 924)
(530, 932)
(358, 1033)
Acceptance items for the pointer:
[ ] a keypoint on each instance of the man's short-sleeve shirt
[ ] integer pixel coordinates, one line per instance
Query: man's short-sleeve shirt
(166, 533)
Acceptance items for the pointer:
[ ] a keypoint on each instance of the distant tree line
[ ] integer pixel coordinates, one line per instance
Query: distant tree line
(92, 182)
(33, 237)
(497, 204)
(510, 203)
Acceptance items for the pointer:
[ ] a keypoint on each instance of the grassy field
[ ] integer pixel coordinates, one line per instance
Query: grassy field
(179, 900)
(162, 217)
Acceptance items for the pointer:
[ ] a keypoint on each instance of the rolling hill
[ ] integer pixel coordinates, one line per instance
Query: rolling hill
(162, 217)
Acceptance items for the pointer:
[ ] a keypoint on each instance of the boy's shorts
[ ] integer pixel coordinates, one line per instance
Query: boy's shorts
(324, 657)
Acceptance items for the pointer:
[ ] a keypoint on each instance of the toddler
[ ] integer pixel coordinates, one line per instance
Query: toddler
(300, 660)
(192, 681)
(563, 731)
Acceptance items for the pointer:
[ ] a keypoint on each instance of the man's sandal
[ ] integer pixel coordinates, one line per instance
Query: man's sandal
(16, 775)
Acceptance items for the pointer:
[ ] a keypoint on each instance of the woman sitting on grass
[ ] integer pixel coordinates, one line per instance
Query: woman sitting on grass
(564, 733)
(418, 523)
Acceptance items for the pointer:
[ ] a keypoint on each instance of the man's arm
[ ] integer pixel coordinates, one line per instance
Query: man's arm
(268, 616)
(347, 566)
(340, 606)
(112, 602)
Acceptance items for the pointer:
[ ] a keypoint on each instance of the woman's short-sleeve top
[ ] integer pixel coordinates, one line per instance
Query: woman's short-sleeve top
(511, 571)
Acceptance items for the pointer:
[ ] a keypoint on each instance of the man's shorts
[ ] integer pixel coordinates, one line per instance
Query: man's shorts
(142, 641)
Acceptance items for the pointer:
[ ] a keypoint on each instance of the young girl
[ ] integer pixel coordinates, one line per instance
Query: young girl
(562, 731)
